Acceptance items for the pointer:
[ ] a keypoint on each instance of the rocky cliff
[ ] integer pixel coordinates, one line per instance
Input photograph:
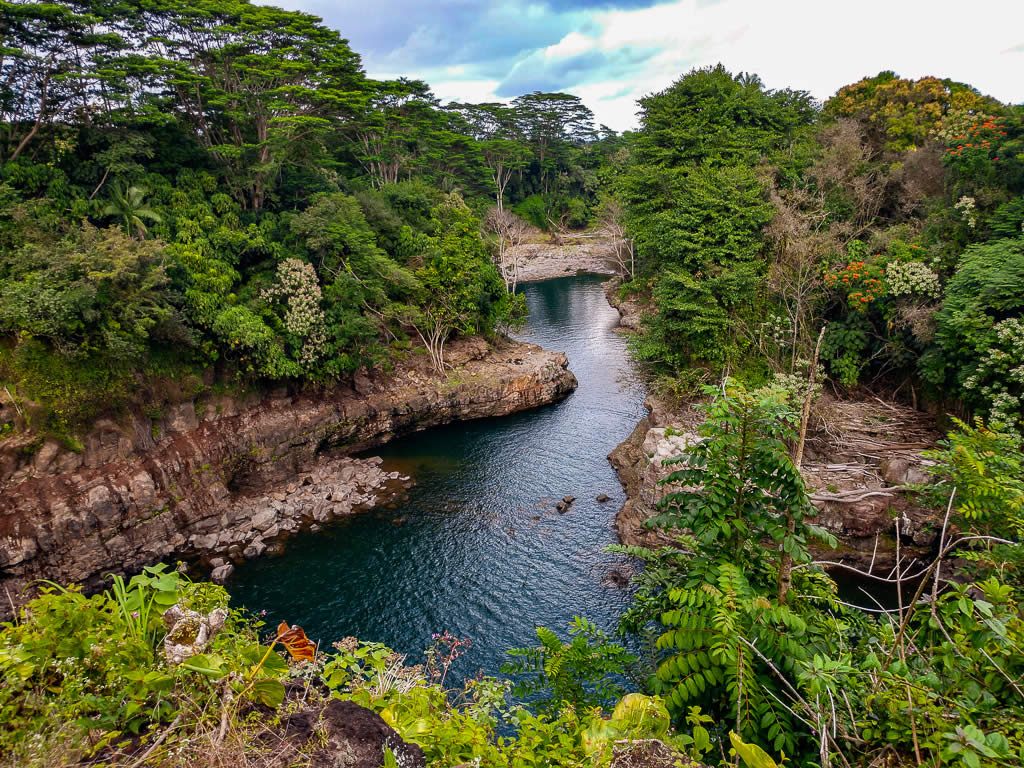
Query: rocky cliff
(229, 477)
(860, 457)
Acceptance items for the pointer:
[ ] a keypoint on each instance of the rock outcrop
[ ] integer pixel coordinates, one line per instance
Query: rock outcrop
(858, 461)
(342, 735)
(631, 309)
(544, 261)
(230, 476)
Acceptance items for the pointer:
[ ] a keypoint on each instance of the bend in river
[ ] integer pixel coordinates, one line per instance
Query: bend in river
(478, 548)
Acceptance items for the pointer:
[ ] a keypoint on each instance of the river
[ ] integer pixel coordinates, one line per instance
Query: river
(478, 548)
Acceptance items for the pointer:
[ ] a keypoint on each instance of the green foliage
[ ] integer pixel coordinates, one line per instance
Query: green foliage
(966, 708)
(479, 725)
(536, 210)
(95, 292)
(721, 593)
(142, 600)
(980, 353)
(751, 754)
(235, 139)
(78, 666)
(696, 210)
(776, 668)
(979, 471)
(461, 292)
(698, 231)
(711, 116)
(579, 674)
(129, 206)
(745, 487)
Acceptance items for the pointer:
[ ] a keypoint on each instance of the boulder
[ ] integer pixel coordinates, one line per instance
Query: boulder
(264, 519)
(221, 573)
(255, 549)
(353, 737)
(189, 632)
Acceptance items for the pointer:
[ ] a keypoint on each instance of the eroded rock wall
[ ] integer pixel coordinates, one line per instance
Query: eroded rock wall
(213, 480)
(859, 459)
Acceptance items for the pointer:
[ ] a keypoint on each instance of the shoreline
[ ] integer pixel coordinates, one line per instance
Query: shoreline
(547, 261)
(854, 488)
(227, 479)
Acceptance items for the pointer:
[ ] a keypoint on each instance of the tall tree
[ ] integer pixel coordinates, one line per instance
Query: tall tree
(260, 86)
(549, 121)
(708, 115)
(498, 133)
(51, 69)
(394, 126)
(510, 231)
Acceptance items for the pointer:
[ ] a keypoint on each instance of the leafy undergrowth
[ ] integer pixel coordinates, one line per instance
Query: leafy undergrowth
(92, 681)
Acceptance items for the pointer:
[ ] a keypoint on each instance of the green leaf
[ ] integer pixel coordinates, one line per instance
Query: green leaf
(269, 691)
(211, 665)
(751, 754)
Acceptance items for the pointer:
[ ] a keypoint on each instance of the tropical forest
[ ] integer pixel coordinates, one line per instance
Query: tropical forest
(348, 425)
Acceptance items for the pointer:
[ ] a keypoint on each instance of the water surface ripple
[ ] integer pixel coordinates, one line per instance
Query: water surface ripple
(478, 548)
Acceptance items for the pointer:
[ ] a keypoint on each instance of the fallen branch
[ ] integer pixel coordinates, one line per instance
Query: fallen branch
(849, 497)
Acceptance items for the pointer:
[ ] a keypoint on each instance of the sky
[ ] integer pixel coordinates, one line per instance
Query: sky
(612, 52)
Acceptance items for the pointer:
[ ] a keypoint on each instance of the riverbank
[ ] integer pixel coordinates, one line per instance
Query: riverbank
(859, 458)
(586, 254)
(232, 477)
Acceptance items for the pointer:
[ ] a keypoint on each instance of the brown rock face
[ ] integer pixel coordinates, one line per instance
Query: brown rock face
(226, 475)
(631, 310)
(347, 735)
(859, 458)
(357, 738)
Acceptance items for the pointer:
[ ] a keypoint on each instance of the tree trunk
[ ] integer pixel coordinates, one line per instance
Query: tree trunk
(786, 564)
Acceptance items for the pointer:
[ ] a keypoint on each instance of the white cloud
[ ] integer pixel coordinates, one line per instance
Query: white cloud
(466, 91)
(821, 45)
(572, 44)
(812, 45)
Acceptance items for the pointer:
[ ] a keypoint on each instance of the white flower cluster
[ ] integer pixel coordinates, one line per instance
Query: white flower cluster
(903, 278)
(778, 328)
(999, 376)
(794, 386)
(966, 207)
(297, 284)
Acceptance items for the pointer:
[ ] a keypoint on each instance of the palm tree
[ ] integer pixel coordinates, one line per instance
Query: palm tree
(128, 204)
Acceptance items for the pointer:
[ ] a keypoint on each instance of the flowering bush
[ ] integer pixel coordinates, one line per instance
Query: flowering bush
(298, 286)
(905, 278)
(980, 139)
(999, 374)
(862, 281)
(981, 333)
(966, 206)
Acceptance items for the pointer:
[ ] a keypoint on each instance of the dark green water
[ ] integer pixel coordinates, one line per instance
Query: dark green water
(480, 550)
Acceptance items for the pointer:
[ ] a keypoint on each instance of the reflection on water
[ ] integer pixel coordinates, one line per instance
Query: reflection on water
(478, 548)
